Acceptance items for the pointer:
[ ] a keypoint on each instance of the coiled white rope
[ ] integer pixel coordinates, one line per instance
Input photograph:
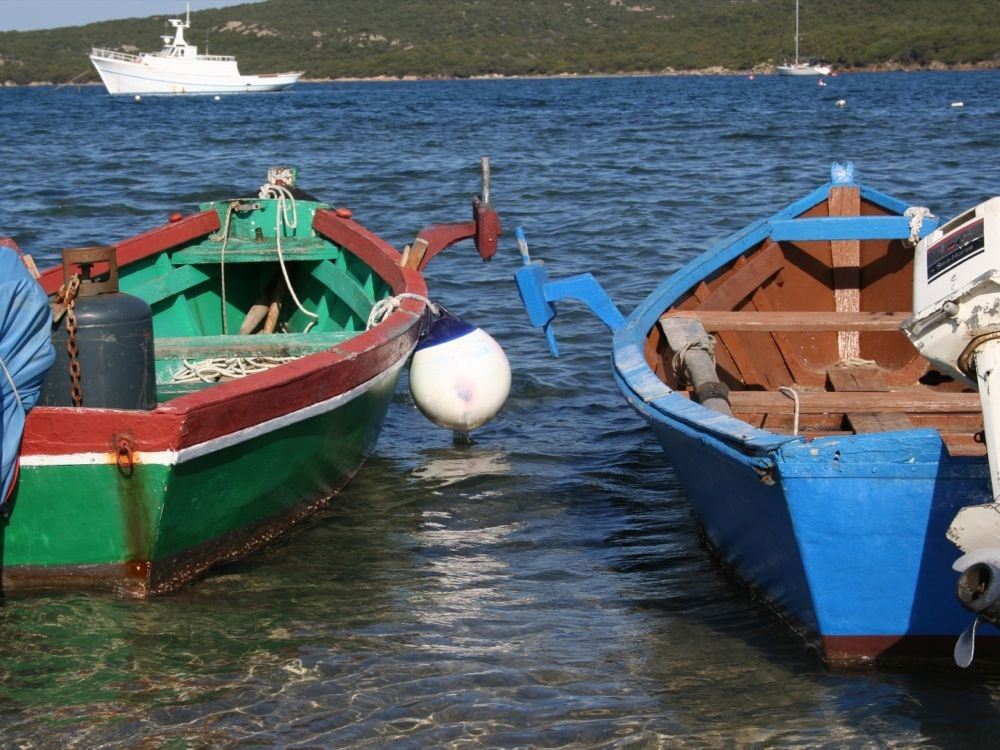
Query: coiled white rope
(916, 214)
(794, 395)
(389, 305)
(290, 220)
(214, 370)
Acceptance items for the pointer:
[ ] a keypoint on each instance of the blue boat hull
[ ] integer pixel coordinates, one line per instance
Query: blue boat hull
(843, 535)
(844, 538)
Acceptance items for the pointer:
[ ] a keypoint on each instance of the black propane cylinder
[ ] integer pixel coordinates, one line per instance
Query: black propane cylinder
(114, 340)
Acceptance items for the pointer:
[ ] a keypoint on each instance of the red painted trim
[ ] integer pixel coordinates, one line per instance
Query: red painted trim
(484, 228)
(148, 243)
(373, 250)
(855, 651)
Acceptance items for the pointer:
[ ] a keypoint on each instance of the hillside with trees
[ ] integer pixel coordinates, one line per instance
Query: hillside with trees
(466, 38)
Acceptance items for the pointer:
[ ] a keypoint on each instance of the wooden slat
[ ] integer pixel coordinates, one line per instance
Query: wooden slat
(752, 320)
(740, 285)
(857, 378)
(262, 345)
(832, 402)
(846, 261)
(870, 378)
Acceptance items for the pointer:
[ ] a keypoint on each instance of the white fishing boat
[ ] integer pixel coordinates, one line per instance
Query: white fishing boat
(797, 68)
(179, 69)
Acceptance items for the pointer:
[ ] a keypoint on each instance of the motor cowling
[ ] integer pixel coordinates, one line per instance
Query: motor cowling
(113, 340)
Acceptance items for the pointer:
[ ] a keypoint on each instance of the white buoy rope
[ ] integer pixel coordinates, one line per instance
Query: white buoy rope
(794, 396)
(222, 263)
(385, 307)
(290, 220)
(916, 215)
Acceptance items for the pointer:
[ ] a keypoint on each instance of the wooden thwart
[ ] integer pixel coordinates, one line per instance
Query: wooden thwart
(834, 402)
(854, 378)
(756, 320)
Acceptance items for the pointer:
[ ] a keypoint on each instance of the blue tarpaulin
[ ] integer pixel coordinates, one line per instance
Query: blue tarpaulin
(26, 354)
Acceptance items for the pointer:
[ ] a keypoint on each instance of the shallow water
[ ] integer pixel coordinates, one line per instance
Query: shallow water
(545, 585)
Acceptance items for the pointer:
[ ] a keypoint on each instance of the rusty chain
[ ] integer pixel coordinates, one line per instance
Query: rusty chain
(65, 302)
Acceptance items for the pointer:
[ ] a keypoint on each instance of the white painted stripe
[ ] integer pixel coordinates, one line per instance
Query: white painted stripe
(169, 458)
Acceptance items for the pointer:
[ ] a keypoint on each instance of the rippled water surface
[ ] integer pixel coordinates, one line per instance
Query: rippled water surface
(545, 585)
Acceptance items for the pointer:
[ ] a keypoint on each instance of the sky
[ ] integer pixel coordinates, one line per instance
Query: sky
(26, 15)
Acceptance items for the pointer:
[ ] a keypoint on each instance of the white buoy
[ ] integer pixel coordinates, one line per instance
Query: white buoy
(217, 97)
(138, 98)
(459, 376)
(958, 104)
(841, 102)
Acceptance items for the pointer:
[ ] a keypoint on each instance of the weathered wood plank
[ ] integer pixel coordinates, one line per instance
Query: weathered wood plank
(753, 320)
(746, 280)
(863, 377)
(846, 261)
(832, 402)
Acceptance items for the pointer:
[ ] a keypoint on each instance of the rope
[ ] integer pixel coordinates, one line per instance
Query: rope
(13, 385)
(284, 197)
(214, 370)
(222, 265)
(916, 214)
(705, 343)
(389, 305)
(793, 394)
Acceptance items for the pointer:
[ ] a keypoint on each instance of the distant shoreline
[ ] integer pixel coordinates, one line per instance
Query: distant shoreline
(764, 70)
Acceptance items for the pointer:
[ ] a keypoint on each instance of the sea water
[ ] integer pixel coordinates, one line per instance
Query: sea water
(544, 584)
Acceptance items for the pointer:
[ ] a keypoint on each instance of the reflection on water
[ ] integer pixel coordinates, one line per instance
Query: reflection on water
(460, 464)
(543, 585)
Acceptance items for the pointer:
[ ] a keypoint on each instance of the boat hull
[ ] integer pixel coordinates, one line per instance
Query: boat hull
(848, 541)
(803, 69)
(126, 77)
(149, 521)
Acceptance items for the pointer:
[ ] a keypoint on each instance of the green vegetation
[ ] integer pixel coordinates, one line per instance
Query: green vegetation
(464, 38)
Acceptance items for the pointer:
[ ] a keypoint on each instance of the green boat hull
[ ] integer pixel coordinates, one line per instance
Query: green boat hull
(150, 527)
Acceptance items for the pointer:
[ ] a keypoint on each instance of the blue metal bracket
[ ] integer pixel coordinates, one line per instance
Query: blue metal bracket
(538, 294)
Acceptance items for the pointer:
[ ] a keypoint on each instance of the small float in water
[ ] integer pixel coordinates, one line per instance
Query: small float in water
(218, 379)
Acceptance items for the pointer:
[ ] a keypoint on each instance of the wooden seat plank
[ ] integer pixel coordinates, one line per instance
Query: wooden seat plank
(917, 400)
(852, 378)
(755, 320)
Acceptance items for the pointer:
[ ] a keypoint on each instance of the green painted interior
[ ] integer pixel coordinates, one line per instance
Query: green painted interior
(201, 292)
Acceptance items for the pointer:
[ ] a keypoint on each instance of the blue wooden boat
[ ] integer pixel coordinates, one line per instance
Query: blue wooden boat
(822, 454)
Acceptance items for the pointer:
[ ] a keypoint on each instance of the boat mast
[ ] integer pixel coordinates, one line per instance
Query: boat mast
(796, 32)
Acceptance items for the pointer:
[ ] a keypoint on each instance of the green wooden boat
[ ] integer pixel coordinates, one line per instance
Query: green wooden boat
(264, 387)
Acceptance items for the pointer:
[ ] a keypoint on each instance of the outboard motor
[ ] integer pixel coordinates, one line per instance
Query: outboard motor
(103, 339)
(956, 325)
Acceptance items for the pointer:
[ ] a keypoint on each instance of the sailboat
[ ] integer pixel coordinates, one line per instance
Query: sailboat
(801, 68)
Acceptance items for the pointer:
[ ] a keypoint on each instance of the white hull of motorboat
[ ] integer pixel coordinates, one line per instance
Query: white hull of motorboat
(147, 74)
